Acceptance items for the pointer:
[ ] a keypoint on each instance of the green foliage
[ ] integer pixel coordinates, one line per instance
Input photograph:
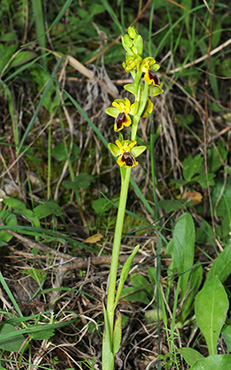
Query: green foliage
(211, 308)
(83, 180)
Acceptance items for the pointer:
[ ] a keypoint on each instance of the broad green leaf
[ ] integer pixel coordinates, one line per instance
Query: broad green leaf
(216, 157)
(214, 362)
(11, 344)
(101, 206)
(133, 296)
(190, 355)
(15, 204)
(183, 249)
(124, 273)
(83, 180)
(23, 57)
(46, 334)
(8, 219)
(211, 306)
(117, 335)
(48, 208)
(191, 166)
(140, 281)
(202, 180)
(221, 197)
(226, 333)
(61, 152)
(221, 266)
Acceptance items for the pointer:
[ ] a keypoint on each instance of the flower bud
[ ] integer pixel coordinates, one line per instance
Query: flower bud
(138, 43)
(132, 32)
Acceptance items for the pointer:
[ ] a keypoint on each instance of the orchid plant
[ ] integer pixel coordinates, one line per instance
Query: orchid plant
(127, 116)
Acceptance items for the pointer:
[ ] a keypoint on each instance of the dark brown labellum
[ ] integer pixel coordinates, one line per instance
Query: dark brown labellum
(128, 159)
(120, 119)
(153, 76)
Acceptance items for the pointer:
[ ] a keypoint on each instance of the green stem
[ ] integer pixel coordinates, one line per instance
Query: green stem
(116, 248)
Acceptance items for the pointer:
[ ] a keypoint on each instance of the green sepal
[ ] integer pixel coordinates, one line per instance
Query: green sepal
(114, 149)
(154, 90)
(134, 108)
(128, 41)
(117, 334)
(113, 112)
(130, 88)
(132, 32)
(137, 150)
(155, 67)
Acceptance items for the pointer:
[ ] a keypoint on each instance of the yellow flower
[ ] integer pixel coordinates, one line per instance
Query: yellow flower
(126, 152)
(149, 74)
(132, 62)
(123, 118)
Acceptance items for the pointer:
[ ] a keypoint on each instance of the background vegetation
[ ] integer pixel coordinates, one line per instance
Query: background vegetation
(60, 68)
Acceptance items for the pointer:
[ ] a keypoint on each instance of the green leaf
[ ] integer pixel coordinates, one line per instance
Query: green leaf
(46, 334)
(216, 157)
(226, 333)
(48, 208)
(202, 180)
(211, 306)
(15, 204)
(124, 273)
(221, 197)
(133, 296)
(11, 344)
(22, 58)
(183, 248)
(221, 362)
(60, 152)
(190, 355)
(83, 180)
(221, 266)
(117, 335)
(191, 166)
(8, 219)
(140, 281)
(101, 206)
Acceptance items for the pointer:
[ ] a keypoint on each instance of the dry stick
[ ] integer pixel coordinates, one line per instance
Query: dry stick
(119, 37)
(214, 51)
(207, 193)
(81, 263)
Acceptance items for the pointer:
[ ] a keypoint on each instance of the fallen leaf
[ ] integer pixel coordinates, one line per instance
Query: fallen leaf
(194, 196)
(93, 239)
